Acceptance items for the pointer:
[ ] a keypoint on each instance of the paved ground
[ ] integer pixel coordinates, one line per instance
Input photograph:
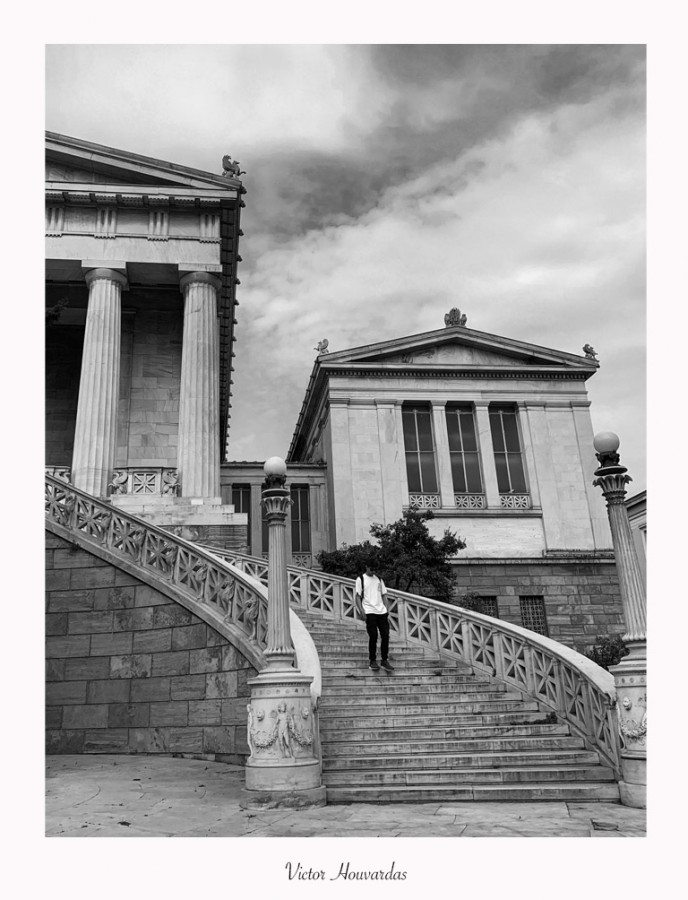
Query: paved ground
(146, 796)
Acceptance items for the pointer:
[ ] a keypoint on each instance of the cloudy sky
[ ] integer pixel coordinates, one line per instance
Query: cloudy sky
(389, 183)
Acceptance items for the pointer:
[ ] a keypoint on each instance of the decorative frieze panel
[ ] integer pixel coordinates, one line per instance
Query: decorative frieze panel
(425, 501)
(156, 480)
(514, 501)
(210, 227)
(280, 723)
(64, 473)
(106, 222)
(54, 221)
(470, 501)
(158, 225)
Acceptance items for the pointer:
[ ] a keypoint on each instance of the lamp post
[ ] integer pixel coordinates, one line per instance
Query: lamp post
(630, 675)
(284, 768)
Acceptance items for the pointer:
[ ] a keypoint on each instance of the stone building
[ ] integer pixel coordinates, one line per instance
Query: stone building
(494, 436)
(141, 272)
(152, 638)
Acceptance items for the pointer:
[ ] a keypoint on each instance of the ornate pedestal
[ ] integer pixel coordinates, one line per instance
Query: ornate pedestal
(631, 686)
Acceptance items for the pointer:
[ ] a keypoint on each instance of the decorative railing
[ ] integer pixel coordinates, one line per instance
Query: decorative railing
(64, 473)
(562, 680)
(425, 501)
(514, 501)
(231, 598)
(158, 480)
(470, 501)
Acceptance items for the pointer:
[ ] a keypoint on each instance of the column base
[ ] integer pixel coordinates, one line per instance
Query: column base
(634, 795)
(308, 798)
(633, 781)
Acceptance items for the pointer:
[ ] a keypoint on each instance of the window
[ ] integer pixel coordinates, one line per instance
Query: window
(533, 614)
(241, 501)
(489, 607)
(420, 450)
(511, 478)
(463, 450)
(300, 519)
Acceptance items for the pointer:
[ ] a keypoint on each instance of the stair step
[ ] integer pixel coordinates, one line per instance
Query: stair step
(401, 678)
(330, 735)
(369, 723)
(470, 759)
(588, 792)
(469, 706)
(506, 775)
(411, 689)
(356, 749)
(411, 698)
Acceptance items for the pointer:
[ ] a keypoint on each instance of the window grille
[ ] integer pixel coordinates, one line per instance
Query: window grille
(300, 519)
(241, 501)
(420, 450)
(463, 449)
(533, 614)
(489, 607)
(511, 478)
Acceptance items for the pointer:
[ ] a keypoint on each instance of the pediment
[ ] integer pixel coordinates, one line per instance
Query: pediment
(457, 347)
(71, 160)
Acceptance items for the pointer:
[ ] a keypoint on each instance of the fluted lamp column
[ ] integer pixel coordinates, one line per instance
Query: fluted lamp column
(277, 502)
(284, 768)
(198, 458)
(95, 435)
(630, 675)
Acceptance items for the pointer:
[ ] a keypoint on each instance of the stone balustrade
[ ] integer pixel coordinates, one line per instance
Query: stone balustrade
(562, 680)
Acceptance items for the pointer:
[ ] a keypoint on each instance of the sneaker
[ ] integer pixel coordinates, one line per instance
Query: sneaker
(374, 666)
(387, 666)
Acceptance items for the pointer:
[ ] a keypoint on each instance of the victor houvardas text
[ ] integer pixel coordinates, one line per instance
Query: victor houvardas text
(346, 872)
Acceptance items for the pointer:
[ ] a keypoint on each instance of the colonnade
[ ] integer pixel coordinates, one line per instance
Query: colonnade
(96, 422)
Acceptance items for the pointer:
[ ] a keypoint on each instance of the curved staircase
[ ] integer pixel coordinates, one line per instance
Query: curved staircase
(435, 731)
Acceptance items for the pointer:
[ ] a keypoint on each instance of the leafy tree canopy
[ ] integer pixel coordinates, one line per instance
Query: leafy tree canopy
(406, 556)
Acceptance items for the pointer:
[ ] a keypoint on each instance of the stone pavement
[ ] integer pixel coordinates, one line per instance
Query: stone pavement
(162, 796)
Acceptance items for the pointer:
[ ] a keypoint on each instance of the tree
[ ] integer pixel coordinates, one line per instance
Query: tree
(407, 557)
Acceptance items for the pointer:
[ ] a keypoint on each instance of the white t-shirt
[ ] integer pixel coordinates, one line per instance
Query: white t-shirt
(373, 591)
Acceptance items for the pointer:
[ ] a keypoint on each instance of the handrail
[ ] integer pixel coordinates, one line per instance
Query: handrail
(561, 679)
(224, 595)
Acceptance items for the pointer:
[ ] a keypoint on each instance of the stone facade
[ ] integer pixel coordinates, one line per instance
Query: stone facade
(141, 275)
(129, 671)
(580, 594)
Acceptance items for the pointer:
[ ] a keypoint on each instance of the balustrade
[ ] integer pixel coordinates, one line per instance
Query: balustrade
(562, 680)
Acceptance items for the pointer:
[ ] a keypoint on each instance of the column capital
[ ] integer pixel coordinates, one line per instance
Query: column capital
(116, 272)
(199, 277)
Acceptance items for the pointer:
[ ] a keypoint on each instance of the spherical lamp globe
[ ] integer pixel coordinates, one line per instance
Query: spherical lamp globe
(275, 467)
(606, 442)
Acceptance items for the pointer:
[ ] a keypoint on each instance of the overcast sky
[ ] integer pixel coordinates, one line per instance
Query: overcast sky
(387, 184)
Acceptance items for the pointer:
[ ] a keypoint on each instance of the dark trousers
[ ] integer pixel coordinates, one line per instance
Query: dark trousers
(377, 622)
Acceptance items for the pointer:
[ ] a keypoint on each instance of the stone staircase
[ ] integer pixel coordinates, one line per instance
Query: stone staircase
(435, 731)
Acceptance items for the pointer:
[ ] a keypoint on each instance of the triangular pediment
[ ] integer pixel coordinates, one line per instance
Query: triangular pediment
(456, 347)
(73, 161)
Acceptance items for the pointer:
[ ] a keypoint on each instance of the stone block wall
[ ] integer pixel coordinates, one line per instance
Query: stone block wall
(581, 595)
(129, 671)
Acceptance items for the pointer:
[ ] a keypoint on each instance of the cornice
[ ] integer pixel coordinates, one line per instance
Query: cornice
(138, 196)
(492, 372)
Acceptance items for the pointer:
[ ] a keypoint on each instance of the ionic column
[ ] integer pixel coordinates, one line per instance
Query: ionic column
(198, 459)
(95, 436)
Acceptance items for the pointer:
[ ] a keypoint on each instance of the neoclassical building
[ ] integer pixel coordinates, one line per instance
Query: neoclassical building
(494, 436)
(141, 272)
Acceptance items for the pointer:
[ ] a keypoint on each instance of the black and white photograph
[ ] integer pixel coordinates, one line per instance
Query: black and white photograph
(345, 393)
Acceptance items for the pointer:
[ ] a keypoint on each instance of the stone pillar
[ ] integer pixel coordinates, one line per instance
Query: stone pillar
(630, 675)
(284, 768)
(95, 437)
(482, 420)
(198, 458)
(279, 650)
(442, 455)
